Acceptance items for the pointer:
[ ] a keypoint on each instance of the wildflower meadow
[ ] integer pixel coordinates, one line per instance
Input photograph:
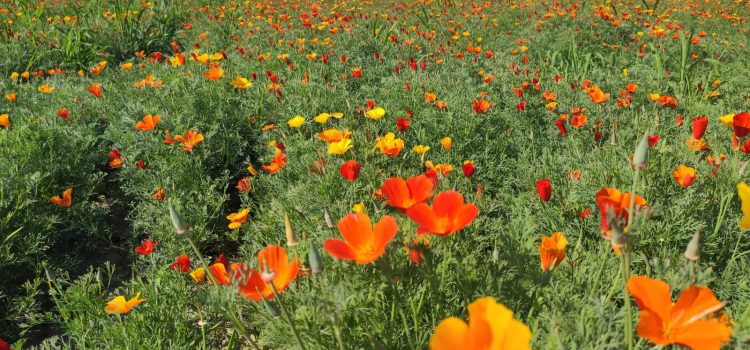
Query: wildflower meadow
(412, 174)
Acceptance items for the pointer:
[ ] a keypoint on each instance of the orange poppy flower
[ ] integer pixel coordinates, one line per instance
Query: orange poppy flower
(552, 250)
(95, 89)
(481, 106)
(159, 194)
(667, 101)
(631, 88)
(333, 135)
(447, 215)
(549, 96)
(684, 175)
(5, 120)
(278, 162)
(402, 195)
(273, 259)
(491, 326)
(119, 305)
(690, 321)
(619, 203)
(189, 140)
(148, 123)
(362, 242)
(579, 120)
(244, 185)
(66, 199)
(236, 219)
(219, 271)
(213, 73)
(115, 158)
(597, 95)
(11, 97)
(429, 97)
(389, 144)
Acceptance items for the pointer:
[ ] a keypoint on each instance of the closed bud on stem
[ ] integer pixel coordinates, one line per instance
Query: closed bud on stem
(693, 250)
(50, 276)
(291, 237)
(640, 158)
(327, 217)
(180, 225)
(316, 262)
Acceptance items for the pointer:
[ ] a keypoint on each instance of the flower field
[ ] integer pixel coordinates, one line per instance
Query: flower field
(420, 174)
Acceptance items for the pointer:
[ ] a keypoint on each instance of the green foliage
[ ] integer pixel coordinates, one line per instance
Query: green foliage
(60, 266)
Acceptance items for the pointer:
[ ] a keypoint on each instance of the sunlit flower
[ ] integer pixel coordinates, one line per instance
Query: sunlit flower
(691, 321)
(389, 145)
(189, 140)
(339, 147)
(46, 89)
(65, 200)
(420, 149)
(148, 123)
(684, 175)
(236, 219)
(491, 326)
(147, 247)
(362, 242)
(447, 215)
(213, 73)
(447, 143)
(403, 195)
(296, 122)
(272, 259)
(119, 305)
(552, 250)
(5, 120)
(376, 113)
(241, 83)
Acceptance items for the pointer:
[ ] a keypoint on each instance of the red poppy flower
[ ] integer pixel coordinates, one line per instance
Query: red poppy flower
(182, 264)
(350, 170)
(741, 124)
(63, 113)
(402, 124)
(468, 168)
(699, 127)
(560, 123)
(544, 188)
(147, 247)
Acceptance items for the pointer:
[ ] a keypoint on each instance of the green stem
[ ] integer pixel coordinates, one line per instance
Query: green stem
(287, 317)
(232, 316)
(626, 263)
(628, 306)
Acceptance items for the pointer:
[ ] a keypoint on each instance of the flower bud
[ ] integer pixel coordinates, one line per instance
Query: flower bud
(180, 225)
(316, 262)
(291, 237)
(327, 217)
(641, 153)
(693, 250)
(50, 275)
